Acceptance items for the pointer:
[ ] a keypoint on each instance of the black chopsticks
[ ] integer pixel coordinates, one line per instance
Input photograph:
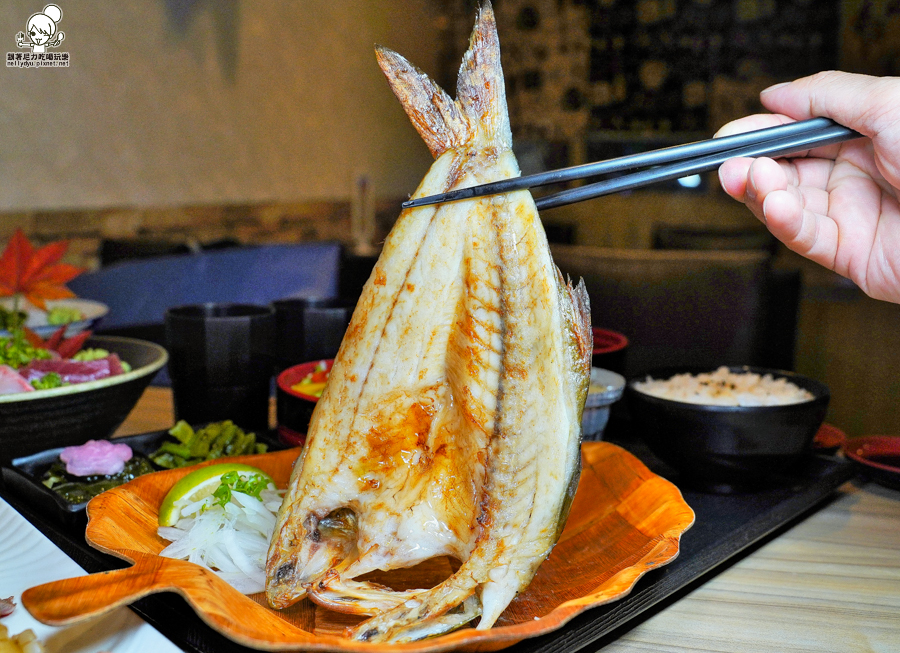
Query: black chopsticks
(668, 163)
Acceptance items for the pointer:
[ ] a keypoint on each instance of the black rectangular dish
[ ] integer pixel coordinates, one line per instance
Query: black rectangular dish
(23, 476)
(727, 527)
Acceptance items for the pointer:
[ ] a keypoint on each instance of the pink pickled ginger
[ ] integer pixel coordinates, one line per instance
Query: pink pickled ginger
(96, 457)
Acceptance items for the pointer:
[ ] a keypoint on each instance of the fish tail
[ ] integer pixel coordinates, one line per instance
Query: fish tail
(479, 113)
(435, 116)
(480, 87)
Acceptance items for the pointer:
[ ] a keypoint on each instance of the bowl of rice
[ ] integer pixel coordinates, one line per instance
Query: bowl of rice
(728, 429)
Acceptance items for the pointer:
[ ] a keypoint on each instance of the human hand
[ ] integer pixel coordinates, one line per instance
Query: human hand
(836, 205)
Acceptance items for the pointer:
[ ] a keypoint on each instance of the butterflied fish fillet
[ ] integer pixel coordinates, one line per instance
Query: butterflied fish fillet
(451, 423)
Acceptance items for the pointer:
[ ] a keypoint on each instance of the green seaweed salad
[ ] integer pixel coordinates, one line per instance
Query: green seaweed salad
(79, 489)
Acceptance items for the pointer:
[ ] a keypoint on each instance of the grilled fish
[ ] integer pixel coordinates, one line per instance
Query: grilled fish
(451, 423)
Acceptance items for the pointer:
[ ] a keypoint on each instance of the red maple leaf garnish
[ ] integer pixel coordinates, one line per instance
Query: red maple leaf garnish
(35, 273)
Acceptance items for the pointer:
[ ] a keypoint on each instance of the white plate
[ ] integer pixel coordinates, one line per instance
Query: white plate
(28, 558)
(37, 319)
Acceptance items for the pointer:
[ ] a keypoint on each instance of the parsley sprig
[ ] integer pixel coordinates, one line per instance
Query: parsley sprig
(252, 484)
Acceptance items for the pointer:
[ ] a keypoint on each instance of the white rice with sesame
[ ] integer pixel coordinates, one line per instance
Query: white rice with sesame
(726, 388)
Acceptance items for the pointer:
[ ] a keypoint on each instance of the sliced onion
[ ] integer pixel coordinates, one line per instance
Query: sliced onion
(232, 541)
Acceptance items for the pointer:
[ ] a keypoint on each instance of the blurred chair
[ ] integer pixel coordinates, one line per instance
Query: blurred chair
(677, 308)
(138, 292)
(667, 236)
(783, 286)
(563, 233)
(115, 250)
(355, 271)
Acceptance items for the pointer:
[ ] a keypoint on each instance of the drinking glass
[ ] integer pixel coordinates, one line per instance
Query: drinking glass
(221, 361)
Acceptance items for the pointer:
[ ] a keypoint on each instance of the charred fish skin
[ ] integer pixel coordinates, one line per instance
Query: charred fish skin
(451, 421)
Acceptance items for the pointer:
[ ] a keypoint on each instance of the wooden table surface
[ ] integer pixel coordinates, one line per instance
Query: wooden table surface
(829, 584)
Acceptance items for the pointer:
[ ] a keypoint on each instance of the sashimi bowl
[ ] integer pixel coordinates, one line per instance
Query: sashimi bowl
(72, 414)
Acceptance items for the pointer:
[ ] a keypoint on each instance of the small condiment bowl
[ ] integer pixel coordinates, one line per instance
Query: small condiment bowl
(606, 388)
(728, 448)
(610, 350)
(878, 456)
(294, 408)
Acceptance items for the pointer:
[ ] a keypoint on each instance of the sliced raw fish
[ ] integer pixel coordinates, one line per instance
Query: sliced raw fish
(11, 382)
(74, 371)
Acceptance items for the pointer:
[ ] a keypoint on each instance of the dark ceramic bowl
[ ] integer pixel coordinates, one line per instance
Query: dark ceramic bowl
(34, 421)
(728, 448)
(294, 409)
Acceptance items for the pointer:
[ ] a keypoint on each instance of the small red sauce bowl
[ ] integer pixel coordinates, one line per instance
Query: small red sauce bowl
(609, 350)
(879, 457)
(294, 409)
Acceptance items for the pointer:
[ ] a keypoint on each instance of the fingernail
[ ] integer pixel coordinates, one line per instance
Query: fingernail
(772, 88)
(750, 191)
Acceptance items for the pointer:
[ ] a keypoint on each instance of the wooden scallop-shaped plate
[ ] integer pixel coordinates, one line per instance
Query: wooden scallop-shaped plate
(624, 521)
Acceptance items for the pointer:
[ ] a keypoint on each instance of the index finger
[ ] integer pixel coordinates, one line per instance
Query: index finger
(765, 120)
(750, 123)
(866, 104)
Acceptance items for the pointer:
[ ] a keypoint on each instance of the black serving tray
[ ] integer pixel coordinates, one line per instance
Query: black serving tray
(23, 476)
(726, 526)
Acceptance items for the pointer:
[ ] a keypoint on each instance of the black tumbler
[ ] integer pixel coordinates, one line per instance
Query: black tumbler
(309, 328)
(221, 361)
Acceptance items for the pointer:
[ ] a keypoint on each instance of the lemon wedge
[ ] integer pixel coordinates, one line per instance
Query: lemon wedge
(198, 485)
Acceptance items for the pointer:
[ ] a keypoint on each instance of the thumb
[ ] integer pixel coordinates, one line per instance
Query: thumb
(861, 102)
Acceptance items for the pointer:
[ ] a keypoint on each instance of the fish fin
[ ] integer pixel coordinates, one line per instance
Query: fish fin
(479, 113)
(581, 304)
(356, 597)
(443, 608)
(576, 304)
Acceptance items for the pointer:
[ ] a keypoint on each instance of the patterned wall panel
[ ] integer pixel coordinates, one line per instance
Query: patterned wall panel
(576, 66)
